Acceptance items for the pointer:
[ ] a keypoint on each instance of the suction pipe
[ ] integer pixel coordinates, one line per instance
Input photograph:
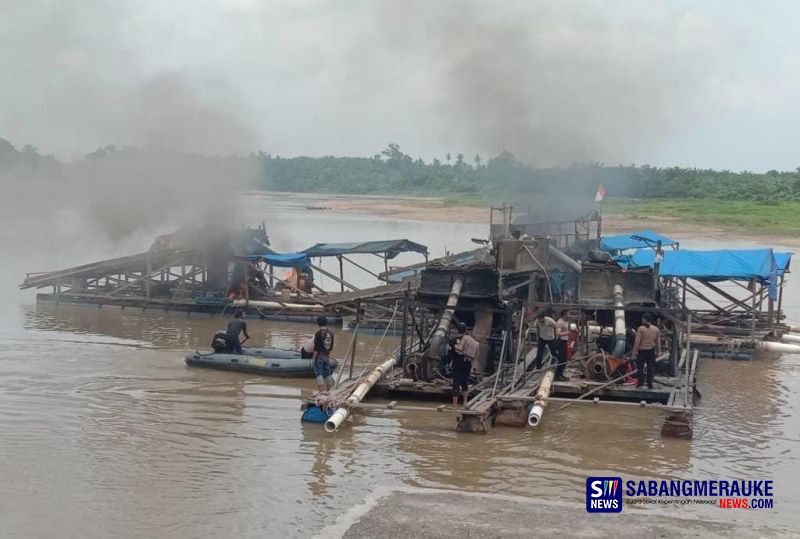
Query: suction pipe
(537, 410)
(440, 334)
(343, 412)
(564, 259)
(620, 340)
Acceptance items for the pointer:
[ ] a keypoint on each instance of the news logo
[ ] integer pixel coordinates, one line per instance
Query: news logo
(604, 494)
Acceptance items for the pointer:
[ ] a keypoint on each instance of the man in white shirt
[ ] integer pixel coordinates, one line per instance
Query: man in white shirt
(562, 339)
(546, 329)
(470, 347)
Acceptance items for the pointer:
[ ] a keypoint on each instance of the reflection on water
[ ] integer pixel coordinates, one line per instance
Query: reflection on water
(107, 432)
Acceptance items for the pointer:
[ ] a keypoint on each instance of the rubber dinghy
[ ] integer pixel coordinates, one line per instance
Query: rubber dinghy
(267, 361)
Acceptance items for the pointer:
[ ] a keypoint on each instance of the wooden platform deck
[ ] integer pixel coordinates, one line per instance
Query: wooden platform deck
(507, 402)
(188, 306)
(384, 291)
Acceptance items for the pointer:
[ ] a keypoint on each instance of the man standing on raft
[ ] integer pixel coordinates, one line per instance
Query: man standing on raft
(236, 326)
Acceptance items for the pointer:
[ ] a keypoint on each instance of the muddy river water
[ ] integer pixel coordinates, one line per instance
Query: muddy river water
(105, 432)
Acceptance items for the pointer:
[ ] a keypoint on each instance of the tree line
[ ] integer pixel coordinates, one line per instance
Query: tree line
(500, 177)
(393, 171)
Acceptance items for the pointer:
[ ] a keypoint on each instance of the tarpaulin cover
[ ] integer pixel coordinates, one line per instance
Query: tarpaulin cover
(391, 247)
(284, 260)
(712, 265)
(634, 240)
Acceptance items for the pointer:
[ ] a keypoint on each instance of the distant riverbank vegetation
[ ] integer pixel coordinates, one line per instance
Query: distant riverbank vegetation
(749, 199)
(503, 176)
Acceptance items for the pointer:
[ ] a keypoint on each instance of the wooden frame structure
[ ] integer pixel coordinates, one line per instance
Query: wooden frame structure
(742, 309)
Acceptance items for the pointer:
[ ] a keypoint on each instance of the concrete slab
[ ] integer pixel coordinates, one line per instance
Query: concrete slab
(411, 512)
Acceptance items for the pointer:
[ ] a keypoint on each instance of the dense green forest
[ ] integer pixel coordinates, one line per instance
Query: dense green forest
(392, 171)
(475, 178)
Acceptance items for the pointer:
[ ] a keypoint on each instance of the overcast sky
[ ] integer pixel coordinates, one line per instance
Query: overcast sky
(710, 84)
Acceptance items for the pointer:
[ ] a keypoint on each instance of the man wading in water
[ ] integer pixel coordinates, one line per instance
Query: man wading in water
(323, 345)
(236, 326)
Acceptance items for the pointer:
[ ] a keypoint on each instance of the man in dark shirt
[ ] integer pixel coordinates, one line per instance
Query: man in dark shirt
(323, 345)
(236, 326)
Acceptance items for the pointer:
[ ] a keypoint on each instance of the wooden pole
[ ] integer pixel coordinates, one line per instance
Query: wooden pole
(703, 297)
(334, 277)
(598, 388)
(341, 272)
(674, 348)
(726, 295)
(688, 361)
(518, 351)
(359, 266)
(403, 333)
(753, 313)
(149, 272)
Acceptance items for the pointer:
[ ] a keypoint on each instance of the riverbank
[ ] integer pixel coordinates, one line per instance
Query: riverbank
(682, 220)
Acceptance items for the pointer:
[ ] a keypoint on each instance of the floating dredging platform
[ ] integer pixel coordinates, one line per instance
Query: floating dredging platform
(210, 272)
(528, 269)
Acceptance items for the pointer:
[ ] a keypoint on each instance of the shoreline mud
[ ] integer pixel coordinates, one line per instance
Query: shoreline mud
(438, 210)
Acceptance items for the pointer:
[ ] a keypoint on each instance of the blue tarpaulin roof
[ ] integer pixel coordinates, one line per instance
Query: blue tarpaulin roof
(284, 260)
(782, 261)
(391, 247)
(712, 265)
(634, 240)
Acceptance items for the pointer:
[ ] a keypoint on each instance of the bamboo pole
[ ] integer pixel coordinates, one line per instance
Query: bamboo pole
(359, 266)
(598, 388)
(334, 277)
(688, 358)
(341, 272)
(519, 346)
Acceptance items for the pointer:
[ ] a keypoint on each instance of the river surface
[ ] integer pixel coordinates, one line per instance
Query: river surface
(105, 432)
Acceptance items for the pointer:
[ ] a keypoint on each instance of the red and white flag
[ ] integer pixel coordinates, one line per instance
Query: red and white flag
(601, 193)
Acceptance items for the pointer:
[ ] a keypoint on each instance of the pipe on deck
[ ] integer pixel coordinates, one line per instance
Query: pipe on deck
(770, 346)
(620, 339)
(343, 412)
(446, 319)
(275, 305)
(540, 402)
(788, 337)
(564, 258)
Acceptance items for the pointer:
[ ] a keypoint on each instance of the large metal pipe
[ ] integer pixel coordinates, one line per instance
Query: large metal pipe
(620, 339)
(276, 305)
(565, 259)
(770, 346)
(343, 412)
(440, 334)
(540, 402)
(788, 337)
